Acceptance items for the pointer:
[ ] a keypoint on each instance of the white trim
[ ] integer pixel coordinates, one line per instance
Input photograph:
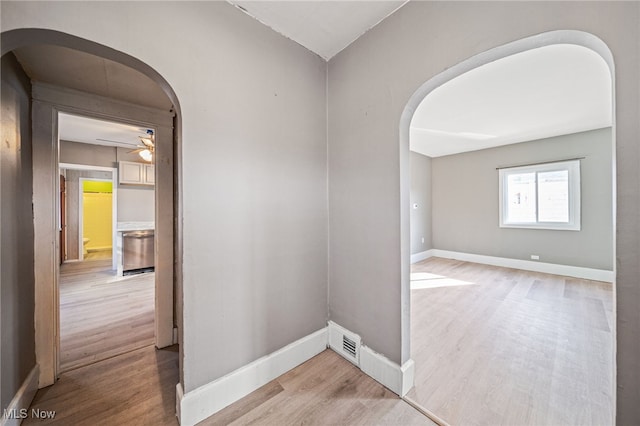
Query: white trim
(398, 379)
(208, 399)
(528, 265)
(22, 399)
(418, 257)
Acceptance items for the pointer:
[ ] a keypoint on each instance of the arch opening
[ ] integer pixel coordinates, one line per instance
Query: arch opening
(550, 39)
(46, 155)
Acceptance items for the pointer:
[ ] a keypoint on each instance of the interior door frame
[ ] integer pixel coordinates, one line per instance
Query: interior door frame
(114, 213)
(47, 102)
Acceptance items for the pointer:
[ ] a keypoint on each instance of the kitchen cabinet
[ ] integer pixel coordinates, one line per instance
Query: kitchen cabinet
(132, 173)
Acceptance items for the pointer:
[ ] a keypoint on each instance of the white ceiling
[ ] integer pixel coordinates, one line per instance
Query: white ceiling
(75, 128)
(324, 27)
(540, 93)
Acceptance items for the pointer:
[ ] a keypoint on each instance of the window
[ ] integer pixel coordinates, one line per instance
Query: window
(543, 196)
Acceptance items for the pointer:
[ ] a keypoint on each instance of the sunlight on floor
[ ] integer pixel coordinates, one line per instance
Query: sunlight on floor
(422, 280)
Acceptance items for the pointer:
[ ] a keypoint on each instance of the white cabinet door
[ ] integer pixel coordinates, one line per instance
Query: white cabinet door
(149, 174)
(132, 173)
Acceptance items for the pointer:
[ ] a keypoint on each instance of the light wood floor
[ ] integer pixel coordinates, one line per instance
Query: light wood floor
(136, 388)
(102, 315)
(497, 346)
(139, 388)
(326, 390)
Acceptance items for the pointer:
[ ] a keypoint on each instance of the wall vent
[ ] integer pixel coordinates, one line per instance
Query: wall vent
(349, 346)
(344, 342)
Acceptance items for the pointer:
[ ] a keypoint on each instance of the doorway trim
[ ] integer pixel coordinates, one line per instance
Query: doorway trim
(48, 101)
(114, 215)
(579, 38)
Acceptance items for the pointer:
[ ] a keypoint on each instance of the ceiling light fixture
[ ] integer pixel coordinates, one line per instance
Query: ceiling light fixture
(146, 153)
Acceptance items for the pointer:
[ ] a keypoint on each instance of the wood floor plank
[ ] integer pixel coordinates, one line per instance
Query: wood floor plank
(511, 347)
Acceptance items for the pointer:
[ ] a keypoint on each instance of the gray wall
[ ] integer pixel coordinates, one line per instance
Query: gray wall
(135, 204)
(370, 83)
(17, 351)
(466, 204)
(254, 169)
(420, 166)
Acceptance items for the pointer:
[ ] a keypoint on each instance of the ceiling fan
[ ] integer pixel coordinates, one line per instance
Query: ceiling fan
(148, 146)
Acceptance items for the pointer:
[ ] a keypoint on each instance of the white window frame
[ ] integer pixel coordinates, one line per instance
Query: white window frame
(572, 166)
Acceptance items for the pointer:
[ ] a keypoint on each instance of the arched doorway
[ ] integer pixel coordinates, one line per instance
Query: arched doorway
(45, 193)
(546, 39)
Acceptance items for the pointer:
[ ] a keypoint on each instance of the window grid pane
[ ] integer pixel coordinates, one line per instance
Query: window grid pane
(553, 196)
(521, 193)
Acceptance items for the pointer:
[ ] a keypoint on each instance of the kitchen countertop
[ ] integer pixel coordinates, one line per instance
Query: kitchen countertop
(135, 226)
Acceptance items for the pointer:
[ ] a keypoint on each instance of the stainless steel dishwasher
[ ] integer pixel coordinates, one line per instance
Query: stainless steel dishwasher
(137, 251)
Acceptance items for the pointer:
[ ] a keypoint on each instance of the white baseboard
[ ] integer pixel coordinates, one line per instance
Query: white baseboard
(22, 400)
(208, 399)
(101, 248)
(415, 258)
(528, 265)
(398, 379)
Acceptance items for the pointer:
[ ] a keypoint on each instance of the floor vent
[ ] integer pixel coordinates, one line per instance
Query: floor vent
(344, 342)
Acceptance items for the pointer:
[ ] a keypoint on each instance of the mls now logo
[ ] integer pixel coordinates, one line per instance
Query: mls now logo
(23, 413)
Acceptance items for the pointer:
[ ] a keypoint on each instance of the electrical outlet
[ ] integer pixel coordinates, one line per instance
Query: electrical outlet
(535, 257)
(422, 240)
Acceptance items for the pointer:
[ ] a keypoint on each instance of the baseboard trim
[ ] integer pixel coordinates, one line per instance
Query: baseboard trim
(102, 248)
(22, 399)
(415, 258)
(398, 379)
(208, 399)
(528, 265)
